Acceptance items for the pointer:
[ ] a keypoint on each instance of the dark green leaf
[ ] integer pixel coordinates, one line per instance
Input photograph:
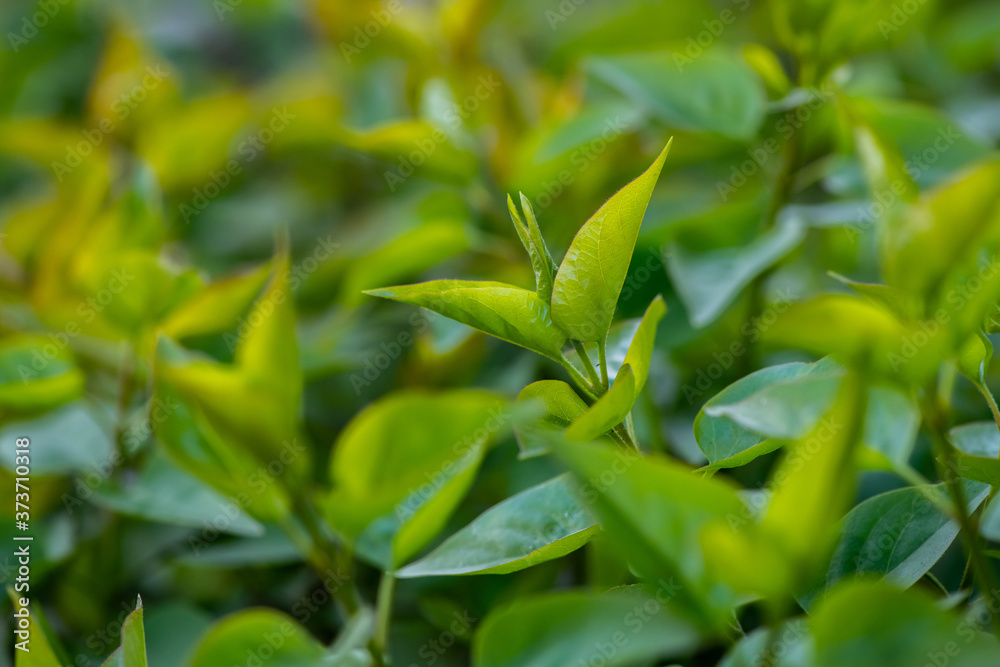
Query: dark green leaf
(709, 281)
(874, 624)
(534, 526)
(573, 628)
(898, 535)
(234, 638)
(715, 92)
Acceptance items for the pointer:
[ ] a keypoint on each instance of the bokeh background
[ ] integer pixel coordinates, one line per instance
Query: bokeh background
(149, 150)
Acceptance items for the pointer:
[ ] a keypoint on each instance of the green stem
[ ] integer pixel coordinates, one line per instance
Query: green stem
(126, 389)
(602, 353)
(587, 364)
(580, 381)
(622, 433)
(383, 615)
(322, 554)
(988, 395)
(967, 527)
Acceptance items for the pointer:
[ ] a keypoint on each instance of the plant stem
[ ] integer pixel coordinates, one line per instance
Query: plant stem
(622, 433)
(580, 381)
(988, 395)
(967, 527)
(602, 352)
(323, 555)
(587, 364)
(126, 389)
(383, 615)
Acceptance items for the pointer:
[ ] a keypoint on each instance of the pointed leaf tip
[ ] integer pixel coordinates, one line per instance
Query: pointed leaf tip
(589, 281)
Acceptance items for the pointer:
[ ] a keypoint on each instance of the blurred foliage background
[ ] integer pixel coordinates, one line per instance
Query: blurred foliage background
(159, 160)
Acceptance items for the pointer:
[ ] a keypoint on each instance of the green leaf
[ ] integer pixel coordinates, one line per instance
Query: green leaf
(716, 92)
(444, 161)
(164, 493)
(725, 442)
(72, 438)
(404, 256)
(134, 639)
(172, 631)
(507, 312)
(571, 628)
(852, 327)
(273, 548)
(590, 278)
(814, 483)
(609, 410)
(881, 160)
(750, 417)
(232, 639)
(36, 374)
(616, 403)
(891, 424)
(217, 307)
(255, 401)
(794, 647)
(708, 281)
(873, 623)
(898, 535)
(902, 304)
(531, 238)
(218, 460)
(562, 406)
(784, 410)
(132, 652)
(41, 648)
(989, 522)
(403, 464)
(654, 511)
(943, 231)
(394, 538)
(974, 358)
(978, 455)
(640, 351)
(537, 525)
